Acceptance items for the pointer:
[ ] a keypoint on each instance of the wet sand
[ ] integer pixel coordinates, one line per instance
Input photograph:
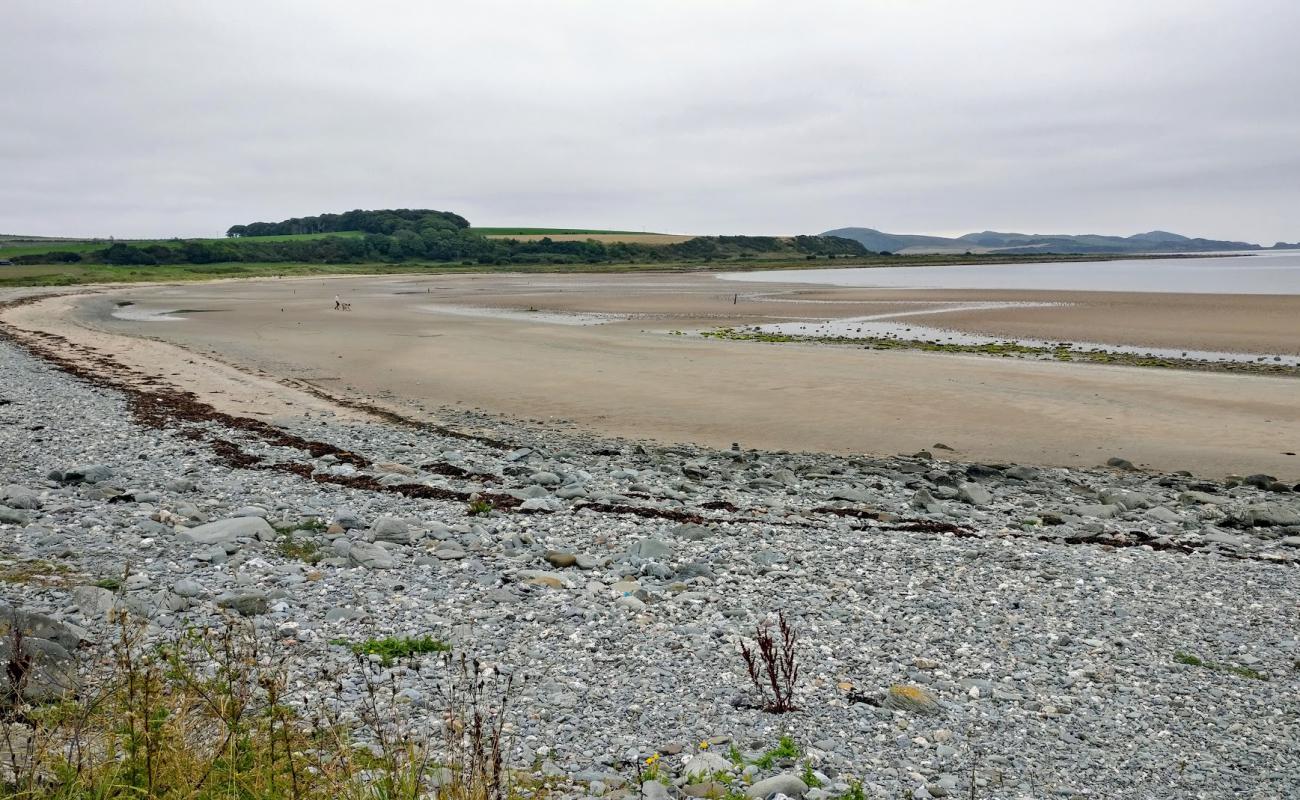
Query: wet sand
(633, 378)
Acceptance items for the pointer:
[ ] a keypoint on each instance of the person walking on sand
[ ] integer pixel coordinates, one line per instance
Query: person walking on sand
(337, 303)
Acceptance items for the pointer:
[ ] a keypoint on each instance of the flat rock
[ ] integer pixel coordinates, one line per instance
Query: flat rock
(1267, 515)
(19, 497)
(247, 603)
(371, 555)
(787, 783)
(228, 531)
(390, 529)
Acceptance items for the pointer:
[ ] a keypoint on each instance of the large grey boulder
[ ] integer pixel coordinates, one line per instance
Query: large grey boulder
(691, 532)
(371, 556)
(924, 501)
(245, 602)
(95, 473)
(649, 549)
(1125, 498)
(50, 673)
(9, 516)
(19, 497)
(94, 602)
(229, 531)
(704, 765)
(1267, 515)
(974, 494)
(48, 645)
(1202, 498)
(37, 626)
(390, 529)
(787, 783)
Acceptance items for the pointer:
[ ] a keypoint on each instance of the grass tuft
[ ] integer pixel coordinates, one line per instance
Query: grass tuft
(211, 715)
(1232, 669)
(392, 648)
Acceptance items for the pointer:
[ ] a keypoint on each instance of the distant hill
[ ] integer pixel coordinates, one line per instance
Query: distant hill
(1010, 243)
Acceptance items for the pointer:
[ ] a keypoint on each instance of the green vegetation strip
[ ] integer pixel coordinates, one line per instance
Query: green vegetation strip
(394, 647)
(1241, 672)
(551, 232)
(1006, 350)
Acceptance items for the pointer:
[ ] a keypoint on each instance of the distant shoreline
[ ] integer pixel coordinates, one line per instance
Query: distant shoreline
(24, 275)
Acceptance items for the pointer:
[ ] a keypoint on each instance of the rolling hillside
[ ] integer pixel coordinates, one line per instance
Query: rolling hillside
(1010, 243)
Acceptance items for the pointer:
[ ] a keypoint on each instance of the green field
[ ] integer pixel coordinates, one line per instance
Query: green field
(75, 274)
(11, 246)
(550, 232)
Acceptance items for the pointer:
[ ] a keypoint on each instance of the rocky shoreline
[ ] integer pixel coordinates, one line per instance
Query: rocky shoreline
(1108, 632)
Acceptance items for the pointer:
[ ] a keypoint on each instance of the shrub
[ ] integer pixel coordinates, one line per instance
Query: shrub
(772, 667)
(209, 715)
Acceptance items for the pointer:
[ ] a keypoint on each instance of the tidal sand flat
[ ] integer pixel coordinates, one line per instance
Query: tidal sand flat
(1001, 628)
(632, 376)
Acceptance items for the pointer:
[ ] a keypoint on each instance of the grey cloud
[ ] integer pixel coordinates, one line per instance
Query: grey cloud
(140, 118)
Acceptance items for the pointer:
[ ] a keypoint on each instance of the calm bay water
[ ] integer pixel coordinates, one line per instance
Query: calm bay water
(1263, 273)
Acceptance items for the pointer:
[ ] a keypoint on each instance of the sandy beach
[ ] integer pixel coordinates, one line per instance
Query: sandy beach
(598, 352)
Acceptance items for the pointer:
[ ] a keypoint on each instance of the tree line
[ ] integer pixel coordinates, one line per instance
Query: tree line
(398, 235)
(386, 221)
(450, 246)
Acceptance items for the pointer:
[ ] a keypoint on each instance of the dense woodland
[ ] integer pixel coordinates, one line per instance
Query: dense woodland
(435, 236)
(387, 221)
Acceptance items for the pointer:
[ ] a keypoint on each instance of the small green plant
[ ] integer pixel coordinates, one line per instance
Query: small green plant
(479, 507)
(808, 776)
(1245, 672)
(111, 584)
(855, 792)
(36, 572)
(734, 756)
(394, 647)
(785, 749)
(1241, 672)
(302, 549)
(650, 772)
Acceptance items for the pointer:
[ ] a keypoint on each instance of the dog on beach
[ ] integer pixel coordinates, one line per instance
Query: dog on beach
(345, 306)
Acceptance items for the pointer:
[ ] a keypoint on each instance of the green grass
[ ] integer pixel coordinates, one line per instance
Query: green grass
(546, 231)
(37, 572)
(394, 647)
(291, 546)
(785, 748)
(20, 246)
(808, 777)
(78, 274)
(479, 508)
(1242, 672)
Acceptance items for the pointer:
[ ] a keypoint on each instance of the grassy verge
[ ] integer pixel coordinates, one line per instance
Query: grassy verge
(22, 246)
(213, 714)
(78, 274)
(550, 232)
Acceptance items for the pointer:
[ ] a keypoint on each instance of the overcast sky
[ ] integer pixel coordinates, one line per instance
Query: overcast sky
(134, 118)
